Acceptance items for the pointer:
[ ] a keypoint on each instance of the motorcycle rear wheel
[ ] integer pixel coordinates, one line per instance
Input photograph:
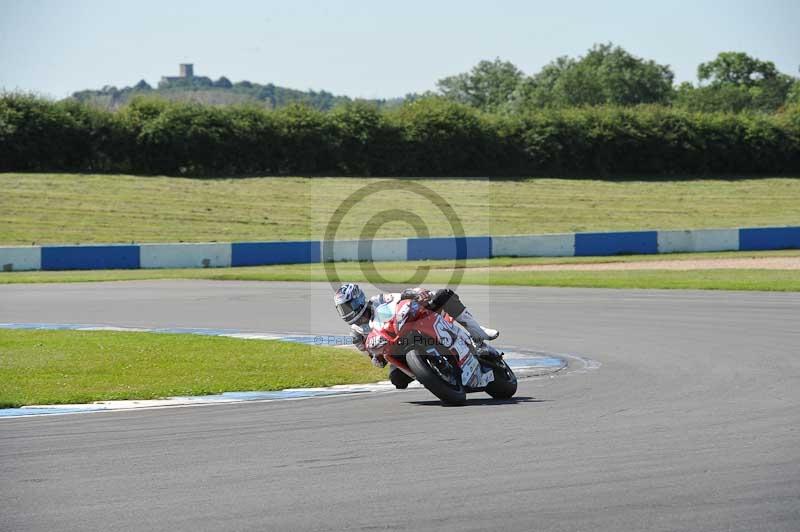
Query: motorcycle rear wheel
(449, 394)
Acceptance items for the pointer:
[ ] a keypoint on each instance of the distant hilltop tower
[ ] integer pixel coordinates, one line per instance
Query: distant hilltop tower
(186, 72)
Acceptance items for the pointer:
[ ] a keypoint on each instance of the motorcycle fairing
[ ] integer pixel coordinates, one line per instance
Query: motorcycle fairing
(407, 319)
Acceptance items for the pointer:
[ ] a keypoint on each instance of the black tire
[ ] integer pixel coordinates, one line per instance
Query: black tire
(504, 385)
(446, 392)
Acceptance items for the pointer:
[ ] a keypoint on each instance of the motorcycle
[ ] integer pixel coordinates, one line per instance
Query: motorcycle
(432, 348)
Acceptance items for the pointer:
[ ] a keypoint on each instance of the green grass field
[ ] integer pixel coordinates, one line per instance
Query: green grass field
(441, 272)
(58, 367)
(77, 208)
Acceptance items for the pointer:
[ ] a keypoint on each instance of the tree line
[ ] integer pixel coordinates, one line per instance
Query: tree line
(605, 75)
(609, 75)
(222, 91)
(427, 136)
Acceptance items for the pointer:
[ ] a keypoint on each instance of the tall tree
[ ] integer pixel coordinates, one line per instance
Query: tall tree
(735, 81)
(736, 68)
(488, 86)
(607, 74)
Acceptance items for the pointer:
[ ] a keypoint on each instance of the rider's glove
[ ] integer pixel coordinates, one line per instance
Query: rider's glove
(358, 341)
(424, 296)
(378, 361)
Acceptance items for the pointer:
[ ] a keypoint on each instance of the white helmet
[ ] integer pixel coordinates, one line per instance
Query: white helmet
(351, 302)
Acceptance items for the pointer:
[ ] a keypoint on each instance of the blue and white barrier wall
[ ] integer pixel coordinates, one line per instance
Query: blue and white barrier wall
(133, 256)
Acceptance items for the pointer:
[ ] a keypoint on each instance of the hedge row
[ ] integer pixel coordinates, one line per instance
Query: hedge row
(429, 137)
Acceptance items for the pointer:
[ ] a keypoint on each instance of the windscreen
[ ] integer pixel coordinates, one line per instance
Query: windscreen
(383, 313)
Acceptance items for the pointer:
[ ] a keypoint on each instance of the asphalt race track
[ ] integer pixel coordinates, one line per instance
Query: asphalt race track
(692, 422)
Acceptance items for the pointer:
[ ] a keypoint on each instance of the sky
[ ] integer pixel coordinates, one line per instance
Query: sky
(368, 49)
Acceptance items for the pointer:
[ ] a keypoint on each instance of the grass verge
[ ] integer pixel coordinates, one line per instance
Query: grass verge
(61, 367)
(441, 271)
(82, 208)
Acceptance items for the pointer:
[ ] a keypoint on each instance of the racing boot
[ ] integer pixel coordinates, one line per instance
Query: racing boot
(478, 333)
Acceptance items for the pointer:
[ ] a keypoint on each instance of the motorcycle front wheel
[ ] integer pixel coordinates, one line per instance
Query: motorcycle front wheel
(439, 376)
(504, 385)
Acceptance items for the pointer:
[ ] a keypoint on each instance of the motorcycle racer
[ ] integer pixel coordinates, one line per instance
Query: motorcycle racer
(356, 310)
